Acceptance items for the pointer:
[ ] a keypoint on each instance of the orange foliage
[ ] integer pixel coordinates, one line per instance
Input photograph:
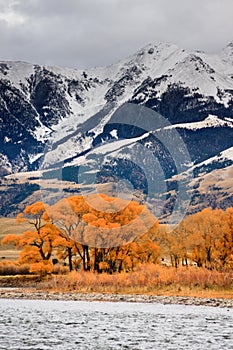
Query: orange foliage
(146, 278)
(37, 244)
(109, 235)
(205, 238)
(41, 268)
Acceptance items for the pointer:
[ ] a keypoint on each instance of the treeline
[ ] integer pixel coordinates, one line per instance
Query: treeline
(97, 233)
(105, 234)
(204, 238)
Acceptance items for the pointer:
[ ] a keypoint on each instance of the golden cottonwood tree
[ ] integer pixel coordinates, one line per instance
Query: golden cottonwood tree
(38, 243)
(67, 215)
(206, 228)
(210, 239)
(115, 230)
(224, 245)
(100, 232)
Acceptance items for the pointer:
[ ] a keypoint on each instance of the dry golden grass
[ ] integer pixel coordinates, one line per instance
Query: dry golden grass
(221, 178)
(149, 279)
(8, 268)
(8, 226)
(27, 282)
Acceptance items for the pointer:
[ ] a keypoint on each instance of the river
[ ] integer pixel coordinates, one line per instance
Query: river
(71, 325)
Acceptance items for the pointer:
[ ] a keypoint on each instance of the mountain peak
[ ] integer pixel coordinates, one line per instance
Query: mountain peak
(228, 50)
(230, 45)
(80, 121)
(157, 47)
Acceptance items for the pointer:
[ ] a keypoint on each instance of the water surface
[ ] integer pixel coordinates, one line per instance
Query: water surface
(60, 325)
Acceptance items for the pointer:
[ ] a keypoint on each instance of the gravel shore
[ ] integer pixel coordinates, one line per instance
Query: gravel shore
(8, 293)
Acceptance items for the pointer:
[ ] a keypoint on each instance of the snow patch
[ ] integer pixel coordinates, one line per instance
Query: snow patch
(212, 121)
(113, 133)
(34, 157)
(7, 139)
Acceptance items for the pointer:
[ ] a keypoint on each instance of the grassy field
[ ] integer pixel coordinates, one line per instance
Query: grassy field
(8, 226)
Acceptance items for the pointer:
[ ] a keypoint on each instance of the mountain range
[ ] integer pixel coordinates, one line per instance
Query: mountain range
(156, 125)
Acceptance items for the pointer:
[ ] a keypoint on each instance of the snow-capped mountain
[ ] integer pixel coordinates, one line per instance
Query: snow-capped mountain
(53, 117)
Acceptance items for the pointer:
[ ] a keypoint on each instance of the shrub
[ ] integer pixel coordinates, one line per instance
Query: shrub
(146, 278)
(13, 268)
(41, 268)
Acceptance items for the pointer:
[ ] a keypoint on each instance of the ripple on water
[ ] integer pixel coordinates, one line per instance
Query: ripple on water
(42, 325)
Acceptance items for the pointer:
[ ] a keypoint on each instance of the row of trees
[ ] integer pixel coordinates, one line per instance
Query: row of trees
(114, 237)
(204, 239)
(102, 233)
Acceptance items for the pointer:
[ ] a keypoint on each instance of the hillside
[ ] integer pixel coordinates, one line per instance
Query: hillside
(157, 125)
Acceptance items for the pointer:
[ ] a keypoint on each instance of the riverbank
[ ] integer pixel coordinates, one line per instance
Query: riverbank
(21, 293)
(150, 284)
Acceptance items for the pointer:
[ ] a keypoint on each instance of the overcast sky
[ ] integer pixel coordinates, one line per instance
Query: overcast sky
(84, 33)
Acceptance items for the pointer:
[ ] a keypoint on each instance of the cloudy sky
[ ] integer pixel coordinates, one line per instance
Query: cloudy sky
(84, 33)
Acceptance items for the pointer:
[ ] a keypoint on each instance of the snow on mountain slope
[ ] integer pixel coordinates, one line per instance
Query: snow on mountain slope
(56, 119)
(200, 171)
(17, 72)
(227, 55)
(223, 156)
(68, 108)
(210, 122)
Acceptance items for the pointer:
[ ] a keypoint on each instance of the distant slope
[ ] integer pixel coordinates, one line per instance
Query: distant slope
(93, 121)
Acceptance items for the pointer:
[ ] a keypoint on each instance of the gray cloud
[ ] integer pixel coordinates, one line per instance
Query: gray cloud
(81, 33)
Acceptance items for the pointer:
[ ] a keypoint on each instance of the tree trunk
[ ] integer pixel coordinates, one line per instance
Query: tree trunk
(70, 258)
(96, 260)
(86, 260)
